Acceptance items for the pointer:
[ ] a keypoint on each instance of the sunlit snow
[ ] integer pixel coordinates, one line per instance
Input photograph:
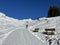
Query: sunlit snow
(21, 32)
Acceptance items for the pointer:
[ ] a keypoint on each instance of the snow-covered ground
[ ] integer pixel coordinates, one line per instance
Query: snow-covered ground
(15, 32)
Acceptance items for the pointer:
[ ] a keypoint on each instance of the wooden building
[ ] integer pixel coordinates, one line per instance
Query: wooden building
(49, 31)
(36, 30)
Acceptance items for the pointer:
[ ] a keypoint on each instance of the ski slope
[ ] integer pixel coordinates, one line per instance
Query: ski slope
(14, 31)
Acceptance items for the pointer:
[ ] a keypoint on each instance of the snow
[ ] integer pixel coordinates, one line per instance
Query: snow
(2, 14)
(14, 31)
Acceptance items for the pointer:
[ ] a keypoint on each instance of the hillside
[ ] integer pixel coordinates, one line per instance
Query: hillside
(21, 32)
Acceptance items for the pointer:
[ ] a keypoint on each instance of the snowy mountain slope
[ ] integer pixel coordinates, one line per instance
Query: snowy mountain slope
(14, 31)
(49, 23)
(8, 24)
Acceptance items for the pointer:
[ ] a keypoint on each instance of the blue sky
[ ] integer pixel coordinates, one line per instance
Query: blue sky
(24, 9)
